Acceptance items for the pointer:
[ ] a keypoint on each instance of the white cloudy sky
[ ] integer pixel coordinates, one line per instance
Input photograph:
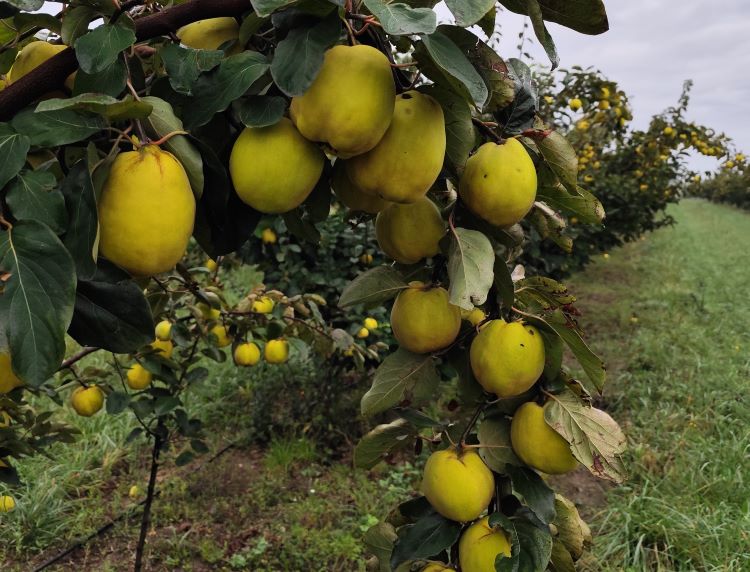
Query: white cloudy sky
(653, 46)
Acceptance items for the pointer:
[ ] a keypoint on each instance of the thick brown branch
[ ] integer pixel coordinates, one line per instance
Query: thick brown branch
(51, 75)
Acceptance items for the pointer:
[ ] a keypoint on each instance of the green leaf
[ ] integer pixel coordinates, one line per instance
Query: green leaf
(504, 284)
(560, 559)
(379, 540)
(101, 104)
(534, 491)
(111, 312)
(572, 531)
(544, 292)
(25, 21)
(37, 301)
(99, 48)
(560, 155)
(110, 81)
(26, 5)
(13, 149)
(584, 16)
(299, 56)
(591, 364)
(494, 435)
(459, 129)
(250, 26)
(215, 90)
(595, 438)
(75, 23)
(381, 440)
(163, 121)
(34, 195)
(266, 7)
(452, 61)
(400, 19)
(487, 22)
(54, 128)
(469, 12)
(541, 32)
(402, 376)
(470, 268)
(373, 287)
(429, 536)
(184, 65)
(519, 115)
(165, 404)
(82, 235)
(261, 110)
(583, 204)
(535, 544)
(117, 402)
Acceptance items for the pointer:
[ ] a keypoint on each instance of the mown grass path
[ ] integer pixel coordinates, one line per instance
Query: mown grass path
(671, 316)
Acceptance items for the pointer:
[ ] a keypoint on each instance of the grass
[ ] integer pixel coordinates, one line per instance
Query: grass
(671, 316)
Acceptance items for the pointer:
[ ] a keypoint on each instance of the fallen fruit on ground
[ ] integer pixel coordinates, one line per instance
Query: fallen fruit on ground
(247, 354)
(507, 358)
(350, 104)
(423, 320)
(537, 444)
(480, 545)
(87, 401)
(499, 183)
(274, 168)
(409, 233)
(406, 162)
(138, 377)
(7, 503)
(458, 484)
(276, 351)
(146, 211)
(210, 34)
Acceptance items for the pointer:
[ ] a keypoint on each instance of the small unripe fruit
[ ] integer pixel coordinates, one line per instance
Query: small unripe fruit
(371, 323)
(363, 333)
(268, 236)
(575, 104)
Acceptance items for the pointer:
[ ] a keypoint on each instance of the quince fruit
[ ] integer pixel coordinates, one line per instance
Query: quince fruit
(409, 233)
(537, 444)
(423, 320)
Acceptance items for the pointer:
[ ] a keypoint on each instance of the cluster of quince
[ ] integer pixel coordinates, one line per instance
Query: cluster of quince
(609, 105)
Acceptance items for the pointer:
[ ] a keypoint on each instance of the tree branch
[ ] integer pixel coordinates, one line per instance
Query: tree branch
(51, 75)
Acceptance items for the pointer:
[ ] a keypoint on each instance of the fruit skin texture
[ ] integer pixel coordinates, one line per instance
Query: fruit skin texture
(210, 34)
(277, 351)
(537, 444)
(87, 400)
(350, 104)
(7, 504)
(458, 487)
(221, 335)
(163, 331)
(408, 160)
(499, 183)
(139, 377)
(422, 320)
(146, 211)
(247, 354)
(436, 567)
(8, 380)
(479, 546)
(33, 55)
(409, 233)
(507, 359)
(274, 168)
(351, 196)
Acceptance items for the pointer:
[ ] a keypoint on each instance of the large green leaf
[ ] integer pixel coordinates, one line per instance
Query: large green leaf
(470, 268)
(381, 440)
(402, 376)
(560, 155)
(76, 23)
(582, 204)
(534, 491)
(266, 7)
(82, 236)
(215, 90)
(428, 537)
(519, 115)
(261, 110)
(497, 451)
(399, 19)
(535, 544)
(60, 127)
(101, 104)
(111, 312)
(541, 32)
(373, 287)
(299, 56)
(37, 300)
(585, 16)
(13, 149)
(469, 12)
(459, 130)
(110, 81)
(99, 48)
(447, 56)
(595, 438)
(379, 540)
(184, 65)
(34, 196)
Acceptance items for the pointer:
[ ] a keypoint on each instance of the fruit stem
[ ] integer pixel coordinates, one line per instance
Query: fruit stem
(168, 136)
(470, 425)
(487, 130)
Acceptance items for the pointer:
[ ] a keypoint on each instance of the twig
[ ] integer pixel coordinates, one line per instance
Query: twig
(77, 357)
(472, 422)
(146, 518)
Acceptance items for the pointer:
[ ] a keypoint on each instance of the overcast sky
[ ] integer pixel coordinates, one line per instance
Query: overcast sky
(653, 46)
